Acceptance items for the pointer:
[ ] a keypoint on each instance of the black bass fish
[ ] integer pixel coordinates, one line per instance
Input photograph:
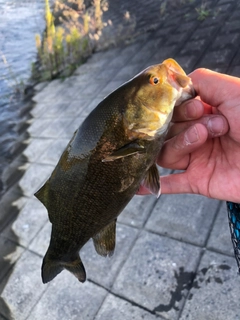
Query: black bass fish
(111, 154)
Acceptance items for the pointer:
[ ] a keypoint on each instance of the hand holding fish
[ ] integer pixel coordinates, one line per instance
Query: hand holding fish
(204, 140)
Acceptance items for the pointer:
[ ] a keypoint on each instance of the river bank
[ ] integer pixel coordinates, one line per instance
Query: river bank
(20, 21)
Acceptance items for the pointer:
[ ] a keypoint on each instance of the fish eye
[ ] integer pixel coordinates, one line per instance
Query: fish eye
(154, 80)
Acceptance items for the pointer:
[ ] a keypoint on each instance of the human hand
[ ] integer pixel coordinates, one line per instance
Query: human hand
(207, 149)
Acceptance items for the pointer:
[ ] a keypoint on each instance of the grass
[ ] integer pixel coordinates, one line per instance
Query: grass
(203, 11)
(63, 47)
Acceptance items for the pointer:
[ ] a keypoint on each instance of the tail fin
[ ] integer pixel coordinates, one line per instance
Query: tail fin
(51, 268)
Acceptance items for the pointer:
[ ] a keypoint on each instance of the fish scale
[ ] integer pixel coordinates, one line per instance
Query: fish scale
(234, 224)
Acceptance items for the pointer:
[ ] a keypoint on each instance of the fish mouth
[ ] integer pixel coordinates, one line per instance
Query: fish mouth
(187, 93)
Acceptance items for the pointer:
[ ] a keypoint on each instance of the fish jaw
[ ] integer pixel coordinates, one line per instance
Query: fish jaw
(178, 79)
(161, 88)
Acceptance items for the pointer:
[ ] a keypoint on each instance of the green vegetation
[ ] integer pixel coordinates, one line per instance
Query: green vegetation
(68, 37)
(202, 11)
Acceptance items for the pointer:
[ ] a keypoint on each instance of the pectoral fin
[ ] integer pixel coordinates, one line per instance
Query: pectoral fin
(152, 182)
(125, 151)
(104, 241)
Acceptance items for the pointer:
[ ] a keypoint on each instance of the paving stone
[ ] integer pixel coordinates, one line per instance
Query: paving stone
(236, 71)
(15, 171)
(67, 298)
(34, 178)
(186, 62)
(222, 41)
(137, 211)
(157, 274)
(215, 290)
(56, 128)
(29, 221)
(220, 238)
(74, 108)
(161, 54)
(11, 202)
(104, 270)
(52, 154)
(93, 89)
(116, 308)
(105, 74)
(10, 253)
(111, 86)
(24, 287)
(36, 147)
(40, 108)
(41, 241)
(53, 110)
(50, 92)
(217, 58)
(128, 72)
(184, 217)
(38, 126)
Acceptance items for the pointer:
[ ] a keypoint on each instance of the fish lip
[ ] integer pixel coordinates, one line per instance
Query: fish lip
(188, 93)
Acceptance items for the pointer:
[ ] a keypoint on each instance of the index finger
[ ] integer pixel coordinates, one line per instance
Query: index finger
(215, 88)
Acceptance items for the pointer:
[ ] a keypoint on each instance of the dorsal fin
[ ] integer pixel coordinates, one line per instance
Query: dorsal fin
(104, 240)
(42, 193)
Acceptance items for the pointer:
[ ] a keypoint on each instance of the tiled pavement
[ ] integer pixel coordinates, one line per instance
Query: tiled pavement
(174, 257)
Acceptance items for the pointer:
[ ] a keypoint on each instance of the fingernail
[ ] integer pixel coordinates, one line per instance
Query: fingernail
(215, 125)
(190, 110)
(191, 136)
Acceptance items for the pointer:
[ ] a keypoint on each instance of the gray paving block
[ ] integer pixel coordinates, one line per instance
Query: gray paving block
(157, 274)
(53, 109)
(74, 108)
(67, 298)
(36, 147)
(128, 72)
(34, 178)
(49, 93)
(111, 86)
(40, 108)
(56, 128)
(52, 154)
(116, 308)
(28, 223)
(10, 253)
(220, 238)
(15, 171)
(104, 270)
(215, 291)
(38, 126)
(10, 204)
(94, 88)
(41, 241)
(138, 210)
(24, 287)
(186, 62)
(217, 58)
(184, 217)
(236, 71)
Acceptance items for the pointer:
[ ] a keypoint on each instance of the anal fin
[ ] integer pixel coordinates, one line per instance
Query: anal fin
(104, 241)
